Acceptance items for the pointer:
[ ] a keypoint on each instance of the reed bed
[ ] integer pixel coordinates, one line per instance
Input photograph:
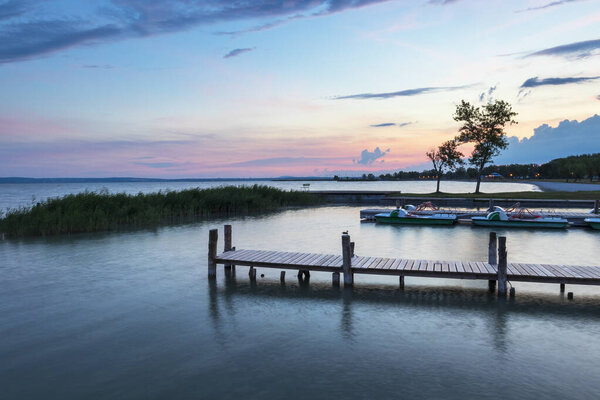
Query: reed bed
(102, 211)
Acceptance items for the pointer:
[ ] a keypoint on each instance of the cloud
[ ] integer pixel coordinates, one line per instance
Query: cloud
(158, 164)
(13, 8)
(568, 138)
(402, 93)
(368, 157)
(487, 96)
(237, 52)
(385, 124)
(275, 161)
(26, 33)
(535, 81)
(548, 5)
(576, 49)
(94, 66)
(443, 2)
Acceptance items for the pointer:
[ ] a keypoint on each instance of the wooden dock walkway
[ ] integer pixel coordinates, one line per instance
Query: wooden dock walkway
(495, 270)
(572, 274)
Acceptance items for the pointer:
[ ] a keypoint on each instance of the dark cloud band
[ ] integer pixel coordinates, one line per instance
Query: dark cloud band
(402, 93)
(577, 49)
(237, 52)
(535, 82)
(33, 34)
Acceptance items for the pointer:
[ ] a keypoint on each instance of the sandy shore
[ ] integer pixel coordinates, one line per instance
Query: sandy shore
(565, 187)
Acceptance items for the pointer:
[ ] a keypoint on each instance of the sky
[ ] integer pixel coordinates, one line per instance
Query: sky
(266, 88)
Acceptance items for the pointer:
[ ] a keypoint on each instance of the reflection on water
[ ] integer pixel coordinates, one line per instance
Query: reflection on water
(480, 301)
(133, 315)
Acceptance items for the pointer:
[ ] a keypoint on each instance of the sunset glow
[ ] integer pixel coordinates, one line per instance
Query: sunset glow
(202, 89)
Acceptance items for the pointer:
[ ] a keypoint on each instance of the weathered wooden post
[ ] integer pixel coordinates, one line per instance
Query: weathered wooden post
(282, 277)
(352, 249)
(562, 287)
(491, 205)
(596, 206)
(213, 237)
(252, 273)
(227, 246)
(570, 295)
(502, 265)
(492, 257)
(335, 279)
(401, 282)
(347, 260)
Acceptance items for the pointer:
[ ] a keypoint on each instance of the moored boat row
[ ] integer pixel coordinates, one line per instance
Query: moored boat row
(516, 217)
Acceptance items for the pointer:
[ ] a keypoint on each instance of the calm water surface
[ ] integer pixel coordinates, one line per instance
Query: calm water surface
(25, 194)
(132, 315)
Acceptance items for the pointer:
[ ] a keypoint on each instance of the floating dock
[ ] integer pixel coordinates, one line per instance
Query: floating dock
(495, 270)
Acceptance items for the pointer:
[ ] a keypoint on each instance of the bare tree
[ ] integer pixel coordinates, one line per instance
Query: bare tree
(445, 157)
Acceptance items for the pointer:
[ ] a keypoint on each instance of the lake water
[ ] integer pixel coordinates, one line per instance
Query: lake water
(133, 315)
(24, 195)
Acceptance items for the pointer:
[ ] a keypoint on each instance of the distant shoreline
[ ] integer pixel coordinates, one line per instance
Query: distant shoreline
(129, 180)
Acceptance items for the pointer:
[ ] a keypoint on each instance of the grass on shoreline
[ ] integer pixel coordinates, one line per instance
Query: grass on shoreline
(101, 211)
(581, 195)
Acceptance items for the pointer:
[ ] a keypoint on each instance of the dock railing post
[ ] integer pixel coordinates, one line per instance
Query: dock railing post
(347, 260)
(502, 265)
(227, 247)
(492, 257)
(213, 238)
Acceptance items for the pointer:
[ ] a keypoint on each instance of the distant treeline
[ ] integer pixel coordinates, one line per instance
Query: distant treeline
(93, 212)
(586, 166)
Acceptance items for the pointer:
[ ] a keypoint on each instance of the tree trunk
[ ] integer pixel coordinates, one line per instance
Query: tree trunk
(439, 177)
(478, 180)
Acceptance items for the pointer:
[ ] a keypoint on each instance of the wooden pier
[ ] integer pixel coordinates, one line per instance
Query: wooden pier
(495, 270)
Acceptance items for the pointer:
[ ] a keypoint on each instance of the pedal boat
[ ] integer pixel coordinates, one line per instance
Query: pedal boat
(593, 222)
(522, 218)
(406, 217)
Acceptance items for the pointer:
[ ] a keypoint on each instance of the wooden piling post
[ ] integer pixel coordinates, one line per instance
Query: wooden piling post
(570, 295)
(282, 277)
(347, 260)
(335, 279)
(352, 249)
(491, 205)
(213, 237)
(502, 264)
(401, 282)
(512, 292)
(562, 287)
(596, 206)
(252, 273)
(492, 257)
(227, 246)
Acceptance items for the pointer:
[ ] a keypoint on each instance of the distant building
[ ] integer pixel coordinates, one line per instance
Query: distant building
(493, 175)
